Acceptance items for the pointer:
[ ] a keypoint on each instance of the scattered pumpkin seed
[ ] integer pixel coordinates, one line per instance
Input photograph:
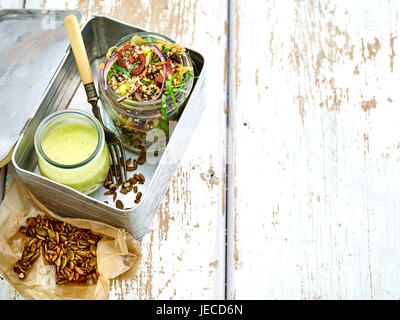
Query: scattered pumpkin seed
(119, 204)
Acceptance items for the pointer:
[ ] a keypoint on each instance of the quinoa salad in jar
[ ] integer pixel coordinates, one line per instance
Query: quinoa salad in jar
(144, 84)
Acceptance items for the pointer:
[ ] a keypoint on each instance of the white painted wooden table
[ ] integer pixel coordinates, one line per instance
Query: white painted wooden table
(302, 121)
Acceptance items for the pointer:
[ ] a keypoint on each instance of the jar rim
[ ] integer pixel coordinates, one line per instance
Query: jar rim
(65, 113)
(132, 105)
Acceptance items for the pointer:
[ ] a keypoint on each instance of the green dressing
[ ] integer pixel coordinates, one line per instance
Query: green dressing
(70, 144)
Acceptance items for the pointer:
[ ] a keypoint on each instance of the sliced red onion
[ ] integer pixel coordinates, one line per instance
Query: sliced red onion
(162, 58)
(107, 67)
(125, 97)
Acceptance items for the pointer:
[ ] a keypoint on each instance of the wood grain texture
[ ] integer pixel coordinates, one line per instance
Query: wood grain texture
(6, 290)
(11, 4)
(314, 186)
(184, 251)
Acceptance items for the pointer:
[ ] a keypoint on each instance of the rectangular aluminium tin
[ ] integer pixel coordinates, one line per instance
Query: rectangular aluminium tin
(66, 90)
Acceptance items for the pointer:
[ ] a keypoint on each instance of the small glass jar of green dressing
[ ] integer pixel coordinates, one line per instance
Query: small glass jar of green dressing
(71, 150)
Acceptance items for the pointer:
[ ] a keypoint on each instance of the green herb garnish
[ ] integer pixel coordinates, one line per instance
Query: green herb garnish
(111, 72)
(134, 65)
(165, 50)
(164, 107)
(171, 90)
(122, 70)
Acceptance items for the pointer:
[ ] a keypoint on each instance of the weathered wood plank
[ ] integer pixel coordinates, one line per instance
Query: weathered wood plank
(184, 251)
(6, 291)
(11, 4)
(314, 200)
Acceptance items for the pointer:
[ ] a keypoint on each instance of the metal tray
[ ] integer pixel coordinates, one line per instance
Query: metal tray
(66, 90)
(33, 43)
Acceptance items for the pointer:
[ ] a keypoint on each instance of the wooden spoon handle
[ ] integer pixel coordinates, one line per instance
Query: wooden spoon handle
(78, 48)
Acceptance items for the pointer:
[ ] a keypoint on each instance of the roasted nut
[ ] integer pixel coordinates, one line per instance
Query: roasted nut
(112, 186)
(141, 159)
(93, 261)
(31, 222)
(82, 253)
(28, 256)
(30, 243)
(119, 204)
(41, 232)
(23, 230)
(64, 261)
(70, 250)
(83, 243)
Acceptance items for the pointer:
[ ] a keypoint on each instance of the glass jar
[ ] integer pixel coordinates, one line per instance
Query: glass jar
(71, 150)
(133, 119)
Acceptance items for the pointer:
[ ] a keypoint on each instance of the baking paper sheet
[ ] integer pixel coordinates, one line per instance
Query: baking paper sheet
(118, 253)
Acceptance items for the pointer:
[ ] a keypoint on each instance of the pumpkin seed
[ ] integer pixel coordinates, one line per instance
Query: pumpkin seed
(41, 232)
(62, 244)
(51, 233)
(30, 243)
(70, 254)
(28, 256)
(64, 261)
(83, 242)
(82, 253)
(119, 204)
(141, 159)
(93, 261)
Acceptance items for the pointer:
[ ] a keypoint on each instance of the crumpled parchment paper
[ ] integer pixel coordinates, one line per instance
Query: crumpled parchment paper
(118, 253)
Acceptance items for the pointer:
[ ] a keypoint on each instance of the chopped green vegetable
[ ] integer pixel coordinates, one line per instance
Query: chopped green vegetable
(170, 91)
(122, 70)
(148, 58)
(136, 39)
(174, 76)
(112, 72)
(190, 76)
(150, 40)
(165, 50)
(134, 65)
(122, 89)
(146, 49)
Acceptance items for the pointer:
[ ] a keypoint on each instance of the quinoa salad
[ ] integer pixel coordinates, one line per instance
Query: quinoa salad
(144, 85)
(143, 69)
